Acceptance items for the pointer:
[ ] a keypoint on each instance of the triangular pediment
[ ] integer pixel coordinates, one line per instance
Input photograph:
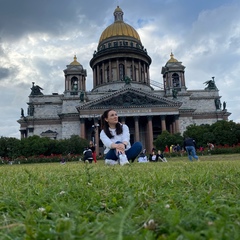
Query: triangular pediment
(129, 98)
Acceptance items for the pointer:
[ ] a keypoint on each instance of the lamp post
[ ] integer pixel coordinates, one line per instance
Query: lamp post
(95, 136)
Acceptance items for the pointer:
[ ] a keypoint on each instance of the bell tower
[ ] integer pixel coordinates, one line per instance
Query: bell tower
(75, 78)
(173, 76)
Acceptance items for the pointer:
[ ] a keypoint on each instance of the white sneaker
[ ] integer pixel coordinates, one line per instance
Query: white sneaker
(123, 159)
(110, 162)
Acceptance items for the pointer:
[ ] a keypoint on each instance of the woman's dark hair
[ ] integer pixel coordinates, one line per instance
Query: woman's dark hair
(105, 126)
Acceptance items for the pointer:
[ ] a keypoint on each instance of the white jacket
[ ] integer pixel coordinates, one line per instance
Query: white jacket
(123, 137)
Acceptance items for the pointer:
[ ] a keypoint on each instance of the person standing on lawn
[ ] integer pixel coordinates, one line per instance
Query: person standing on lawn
(92, 147)
(190, 146)
(116, 140)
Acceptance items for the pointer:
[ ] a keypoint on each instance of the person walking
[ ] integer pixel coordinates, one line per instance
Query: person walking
(190, 146)
(116, 140)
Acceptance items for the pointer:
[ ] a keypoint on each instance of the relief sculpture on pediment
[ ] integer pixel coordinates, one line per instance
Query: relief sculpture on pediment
(130, 99)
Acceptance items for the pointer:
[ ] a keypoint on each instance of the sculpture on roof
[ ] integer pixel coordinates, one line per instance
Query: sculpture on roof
(81, 96)
(218, 103)
(36, 90)
(210, 84)
(224, 105)
(22, 112)
(174, 93)
(127, 80)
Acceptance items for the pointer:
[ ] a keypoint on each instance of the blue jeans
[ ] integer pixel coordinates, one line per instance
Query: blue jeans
(191, 152)
(131, 153)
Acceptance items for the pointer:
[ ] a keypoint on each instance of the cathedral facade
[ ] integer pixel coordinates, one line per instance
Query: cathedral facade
(121, 80)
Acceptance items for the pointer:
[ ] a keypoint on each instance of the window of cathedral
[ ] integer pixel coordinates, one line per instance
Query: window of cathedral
(74, 84)
(175, 80)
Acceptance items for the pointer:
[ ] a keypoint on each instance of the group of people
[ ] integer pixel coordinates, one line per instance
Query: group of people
(115, 137)
(173, 148)
(153, 156)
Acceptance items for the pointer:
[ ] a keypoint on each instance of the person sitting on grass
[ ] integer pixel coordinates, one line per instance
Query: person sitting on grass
(116, 140)
(161, 156)
(87, 155)
(153, 157)
(142, 157)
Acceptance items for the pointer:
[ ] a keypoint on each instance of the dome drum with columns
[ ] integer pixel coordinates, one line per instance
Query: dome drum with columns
(121, 80)
(120, 55)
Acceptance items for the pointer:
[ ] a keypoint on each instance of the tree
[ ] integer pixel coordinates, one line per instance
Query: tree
(225, 132)
(165, 138)
(10, 147)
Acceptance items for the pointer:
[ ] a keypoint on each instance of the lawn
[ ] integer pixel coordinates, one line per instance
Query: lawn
(174, 200)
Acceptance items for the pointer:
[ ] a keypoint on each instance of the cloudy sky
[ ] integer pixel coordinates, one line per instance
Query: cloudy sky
(39, 38)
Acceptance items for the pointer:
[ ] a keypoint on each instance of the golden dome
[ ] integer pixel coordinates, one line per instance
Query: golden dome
(119, 28)
(75, 62)
(172, 59)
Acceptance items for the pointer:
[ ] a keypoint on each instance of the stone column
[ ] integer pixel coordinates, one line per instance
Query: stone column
(123, 120)
(94, 77)
(174, 126)
(171, 128)
(163, 122)
(149, 134)
(144, 73)
(177, 129)
(137, 138)
(84, 84)
(139, 72)
(125, 67)
(133, 72)
(103, 71)
(148, 76)
(98, 75)
(118, 78)
(110, 71)
(82, 128)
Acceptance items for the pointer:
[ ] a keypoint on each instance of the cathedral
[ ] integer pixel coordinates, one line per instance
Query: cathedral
(121, 81)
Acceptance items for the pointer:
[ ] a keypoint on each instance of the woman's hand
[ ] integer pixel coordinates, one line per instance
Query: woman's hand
(120, 148)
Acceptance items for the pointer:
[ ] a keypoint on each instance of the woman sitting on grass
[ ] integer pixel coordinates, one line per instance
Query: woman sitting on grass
(161, 157)
(142, 157)
(116, 140)
(153, 157)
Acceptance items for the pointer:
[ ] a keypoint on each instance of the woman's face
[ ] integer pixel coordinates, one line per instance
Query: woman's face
(112, 118)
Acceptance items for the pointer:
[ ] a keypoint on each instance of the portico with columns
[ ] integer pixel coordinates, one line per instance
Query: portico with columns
(146, 116)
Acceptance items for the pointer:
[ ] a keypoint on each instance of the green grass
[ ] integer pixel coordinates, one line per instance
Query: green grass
(174, 200)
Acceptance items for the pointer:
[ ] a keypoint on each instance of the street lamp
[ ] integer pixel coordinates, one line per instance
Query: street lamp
(94, 128)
